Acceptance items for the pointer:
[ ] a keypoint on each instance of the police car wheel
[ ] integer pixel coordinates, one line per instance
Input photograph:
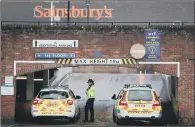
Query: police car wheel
(36, 120)
(79, 114)
(118, 121)
(73, 120)
(157, 122)
(40, 120)
(113, 117)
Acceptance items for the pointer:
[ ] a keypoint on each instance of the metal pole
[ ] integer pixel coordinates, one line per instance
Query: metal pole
(194, 40)
(48, 77)
(0, 66)
(51, 13)
(68, 19)
(87, 11)
(52, 6)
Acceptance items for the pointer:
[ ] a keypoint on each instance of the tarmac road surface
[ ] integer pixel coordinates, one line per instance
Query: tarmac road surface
(80, 124)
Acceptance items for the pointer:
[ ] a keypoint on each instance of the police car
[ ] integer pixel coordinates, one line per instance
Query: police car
(137, 102)
(56, 102)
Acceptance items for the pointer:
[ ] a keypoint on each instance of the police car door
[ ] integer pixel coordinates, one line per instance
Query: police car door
(118, 99)
(74, 100)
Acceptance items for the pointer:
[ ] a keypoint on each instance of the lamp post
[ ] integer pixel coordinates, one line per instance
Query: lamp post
(52, 6)
(48, 77)
(68, 19)
(87, 2)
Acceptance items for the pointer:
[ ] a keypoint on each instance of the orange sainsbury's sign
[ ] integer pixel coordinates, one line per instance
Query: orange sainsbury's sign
(96, 13)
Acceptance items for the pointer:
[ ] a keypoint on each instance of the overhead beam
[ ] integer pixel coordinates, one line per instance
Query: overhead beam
(23, 61)
(171, 63)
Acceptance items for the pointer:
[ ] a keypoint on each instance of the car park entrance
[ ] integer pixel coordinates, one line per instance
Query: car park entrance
(110, 46)
(109, 82)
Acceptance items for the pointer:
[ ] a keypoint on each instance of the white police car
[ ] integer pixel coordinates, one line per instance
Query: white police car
(56, 102)
(137, 102)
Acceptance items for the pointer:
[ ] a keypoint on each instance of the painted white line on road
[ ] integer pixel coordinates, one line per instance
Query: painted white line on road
(24, 61)
(176, 63)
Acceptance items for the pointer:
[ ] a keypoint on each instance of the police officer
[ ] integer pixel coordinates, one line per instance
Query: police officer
(90, 92)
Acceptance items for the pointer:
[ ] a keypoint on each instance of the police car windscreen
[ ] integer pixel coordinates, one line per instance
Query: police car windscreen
(138, 95)
(53, 95)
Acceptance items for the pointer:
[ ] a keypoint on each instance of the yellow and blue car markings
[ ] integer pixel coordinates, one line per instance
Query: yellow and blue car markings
(137, 111)
(58, 108)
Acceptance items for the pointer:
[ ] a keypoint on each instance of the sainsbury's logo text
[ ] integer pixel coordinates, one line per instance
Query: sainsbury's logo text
(96, 13)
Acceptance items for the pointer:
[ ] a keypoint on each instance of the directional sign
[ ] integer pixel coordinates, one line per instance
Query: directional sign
(9, 79)
(55, 43)
(7, 89)
(152, 44)
(54, 55)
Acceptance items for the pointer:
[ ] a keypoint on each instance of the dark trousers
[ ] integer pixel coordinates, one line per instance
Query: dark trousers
(89, 107)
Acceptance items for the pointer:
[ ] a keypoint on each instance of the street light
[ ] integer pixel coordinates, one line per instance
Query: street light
(52, 2)
(87, 2)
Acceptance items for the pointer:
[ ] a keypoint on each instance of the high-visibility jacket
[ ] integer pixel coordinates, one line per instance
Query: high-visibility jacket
(90, 92)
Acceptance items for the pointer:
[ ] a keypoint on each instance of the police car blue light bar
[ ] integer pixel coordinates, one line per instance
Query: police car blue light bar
(137, 85)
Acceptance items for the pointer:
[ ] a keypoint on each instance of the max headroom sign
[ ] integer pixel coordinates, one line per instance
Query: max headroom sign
(55, 43)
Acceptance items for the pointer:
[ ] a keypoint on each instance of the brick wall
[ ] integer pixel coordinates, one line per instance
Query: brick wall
(176, 45)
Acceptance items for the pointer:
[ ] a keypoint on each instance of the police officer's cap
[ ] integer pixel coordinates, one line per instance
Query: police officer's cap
(90, 80)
